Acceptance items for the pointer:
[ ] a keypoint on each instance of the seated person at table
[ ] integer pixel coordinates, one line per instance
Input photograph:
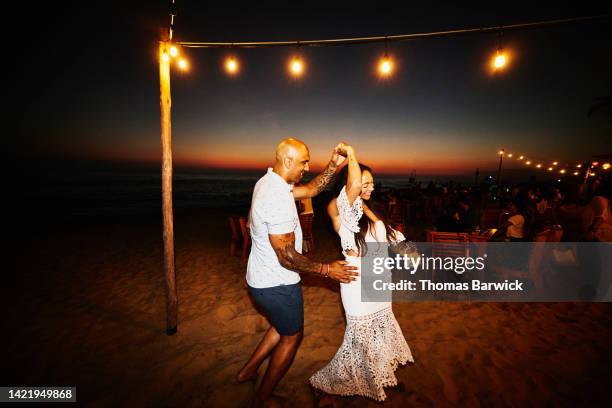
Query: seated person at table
(515, 225)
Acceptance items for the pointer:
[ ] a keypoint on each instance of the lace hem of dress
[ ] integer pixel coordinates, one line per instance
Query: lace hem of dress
(370, 316)
(372, 349)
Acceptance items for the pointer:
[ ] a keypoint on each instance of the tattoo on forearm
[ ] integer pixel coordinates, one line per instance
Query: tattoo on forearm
(323, 179)
(292, 259)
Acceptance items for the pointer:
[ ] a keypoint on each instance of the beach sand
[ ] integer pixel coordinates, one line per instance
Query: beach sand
(86, 308)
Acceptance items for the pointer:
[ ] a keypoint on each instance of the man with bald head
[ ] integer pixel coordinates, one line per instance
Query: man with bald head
(275, 261)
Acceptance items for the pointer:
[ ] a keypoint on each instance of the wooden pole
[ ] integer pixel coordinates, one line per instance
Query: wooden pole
(168, 218)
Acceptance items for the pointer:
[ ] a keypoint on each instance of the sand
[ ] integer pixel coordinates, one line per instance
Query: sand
(86, 308)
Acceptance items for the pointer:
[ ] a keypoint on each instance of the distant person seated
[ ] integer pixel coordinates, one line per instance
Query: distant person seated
(544, 217)
(449, 220)
(468, 215)
(515, 225)
(597, 216)
(542, 204)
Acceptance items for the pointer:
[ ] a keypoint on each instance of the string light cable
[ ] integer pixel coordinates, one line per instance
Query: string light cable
(387, 38)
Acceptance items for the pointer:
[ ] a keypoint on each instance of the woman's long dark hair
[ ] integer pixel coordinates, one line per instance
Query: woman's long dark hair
(365, 223)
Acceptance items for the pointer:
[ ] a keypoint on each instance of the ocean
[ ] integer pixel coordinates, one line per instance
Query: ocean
(107, 193)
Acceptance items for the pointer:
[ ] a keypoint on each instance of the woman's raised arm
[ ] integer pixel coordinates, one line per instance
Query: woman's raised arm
(353, 179)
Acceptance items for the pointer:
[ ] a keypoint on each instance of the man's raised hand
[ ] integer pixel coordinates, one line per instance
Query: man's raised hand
(340, 153)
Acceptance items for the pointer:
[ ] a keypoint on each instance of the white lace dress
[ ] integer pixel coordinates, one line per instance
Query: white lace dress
(373, 344)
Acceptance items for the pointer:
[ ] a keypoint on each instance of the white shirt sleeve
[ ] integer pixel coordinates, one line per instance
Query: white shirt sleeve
(517, 220)
(516, 229)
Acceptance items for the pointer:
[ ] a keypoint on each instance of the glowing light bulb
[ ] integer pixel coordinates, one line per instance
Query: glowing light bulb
(296, 66)
(605, 166)
(562, 171)
(521, 157)
(183, 64)
(500, 152)
(550, 169)
(578, 166)
(528, 162)
(165, 57)
(576, 173)
(538, 165)
(231, 65)
(385, 66)
(500, 61)
(509, 154)
(174, 51)
(555, 163)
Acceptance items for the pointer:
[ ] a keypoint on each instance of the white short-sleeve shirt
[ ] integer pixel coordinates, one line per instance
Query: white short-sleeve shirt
(516, 229)
(273, 211)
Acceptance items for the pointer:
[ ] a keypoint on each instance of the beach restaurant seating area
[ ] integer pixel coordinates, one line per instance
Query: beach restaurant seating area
(521, 212)
(453, 212)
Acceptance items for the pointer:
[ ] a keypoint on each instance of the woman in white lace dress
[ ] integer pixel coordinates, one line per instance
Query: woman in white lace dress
(373, 344)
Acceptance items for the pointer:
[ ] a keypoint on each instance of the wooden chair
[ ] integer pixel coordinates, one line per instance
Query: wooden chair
(246, 236)
(235, 231)
(308, 238)
(240, 235)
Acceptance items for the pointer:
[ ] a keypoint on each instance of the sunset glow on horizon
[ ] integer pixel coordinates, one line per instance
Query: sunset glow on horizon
(438, 110)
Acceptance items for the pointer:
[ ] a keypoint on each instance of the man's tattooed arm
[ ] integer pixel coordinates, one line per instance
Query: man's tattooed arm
(284, 246)
(322, 180)
(317, 184)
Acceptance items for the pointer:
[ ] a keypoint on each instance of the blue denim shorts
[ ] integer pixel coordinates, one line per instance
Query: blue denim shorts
(283, 306)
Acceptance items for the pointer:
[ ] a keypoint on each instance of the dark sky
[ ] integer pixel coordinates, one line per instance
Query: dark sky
(86, 86)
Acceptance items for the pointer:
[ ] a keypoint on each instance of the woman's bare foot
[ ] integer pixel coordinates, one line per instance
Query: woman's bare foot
(244, 376)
